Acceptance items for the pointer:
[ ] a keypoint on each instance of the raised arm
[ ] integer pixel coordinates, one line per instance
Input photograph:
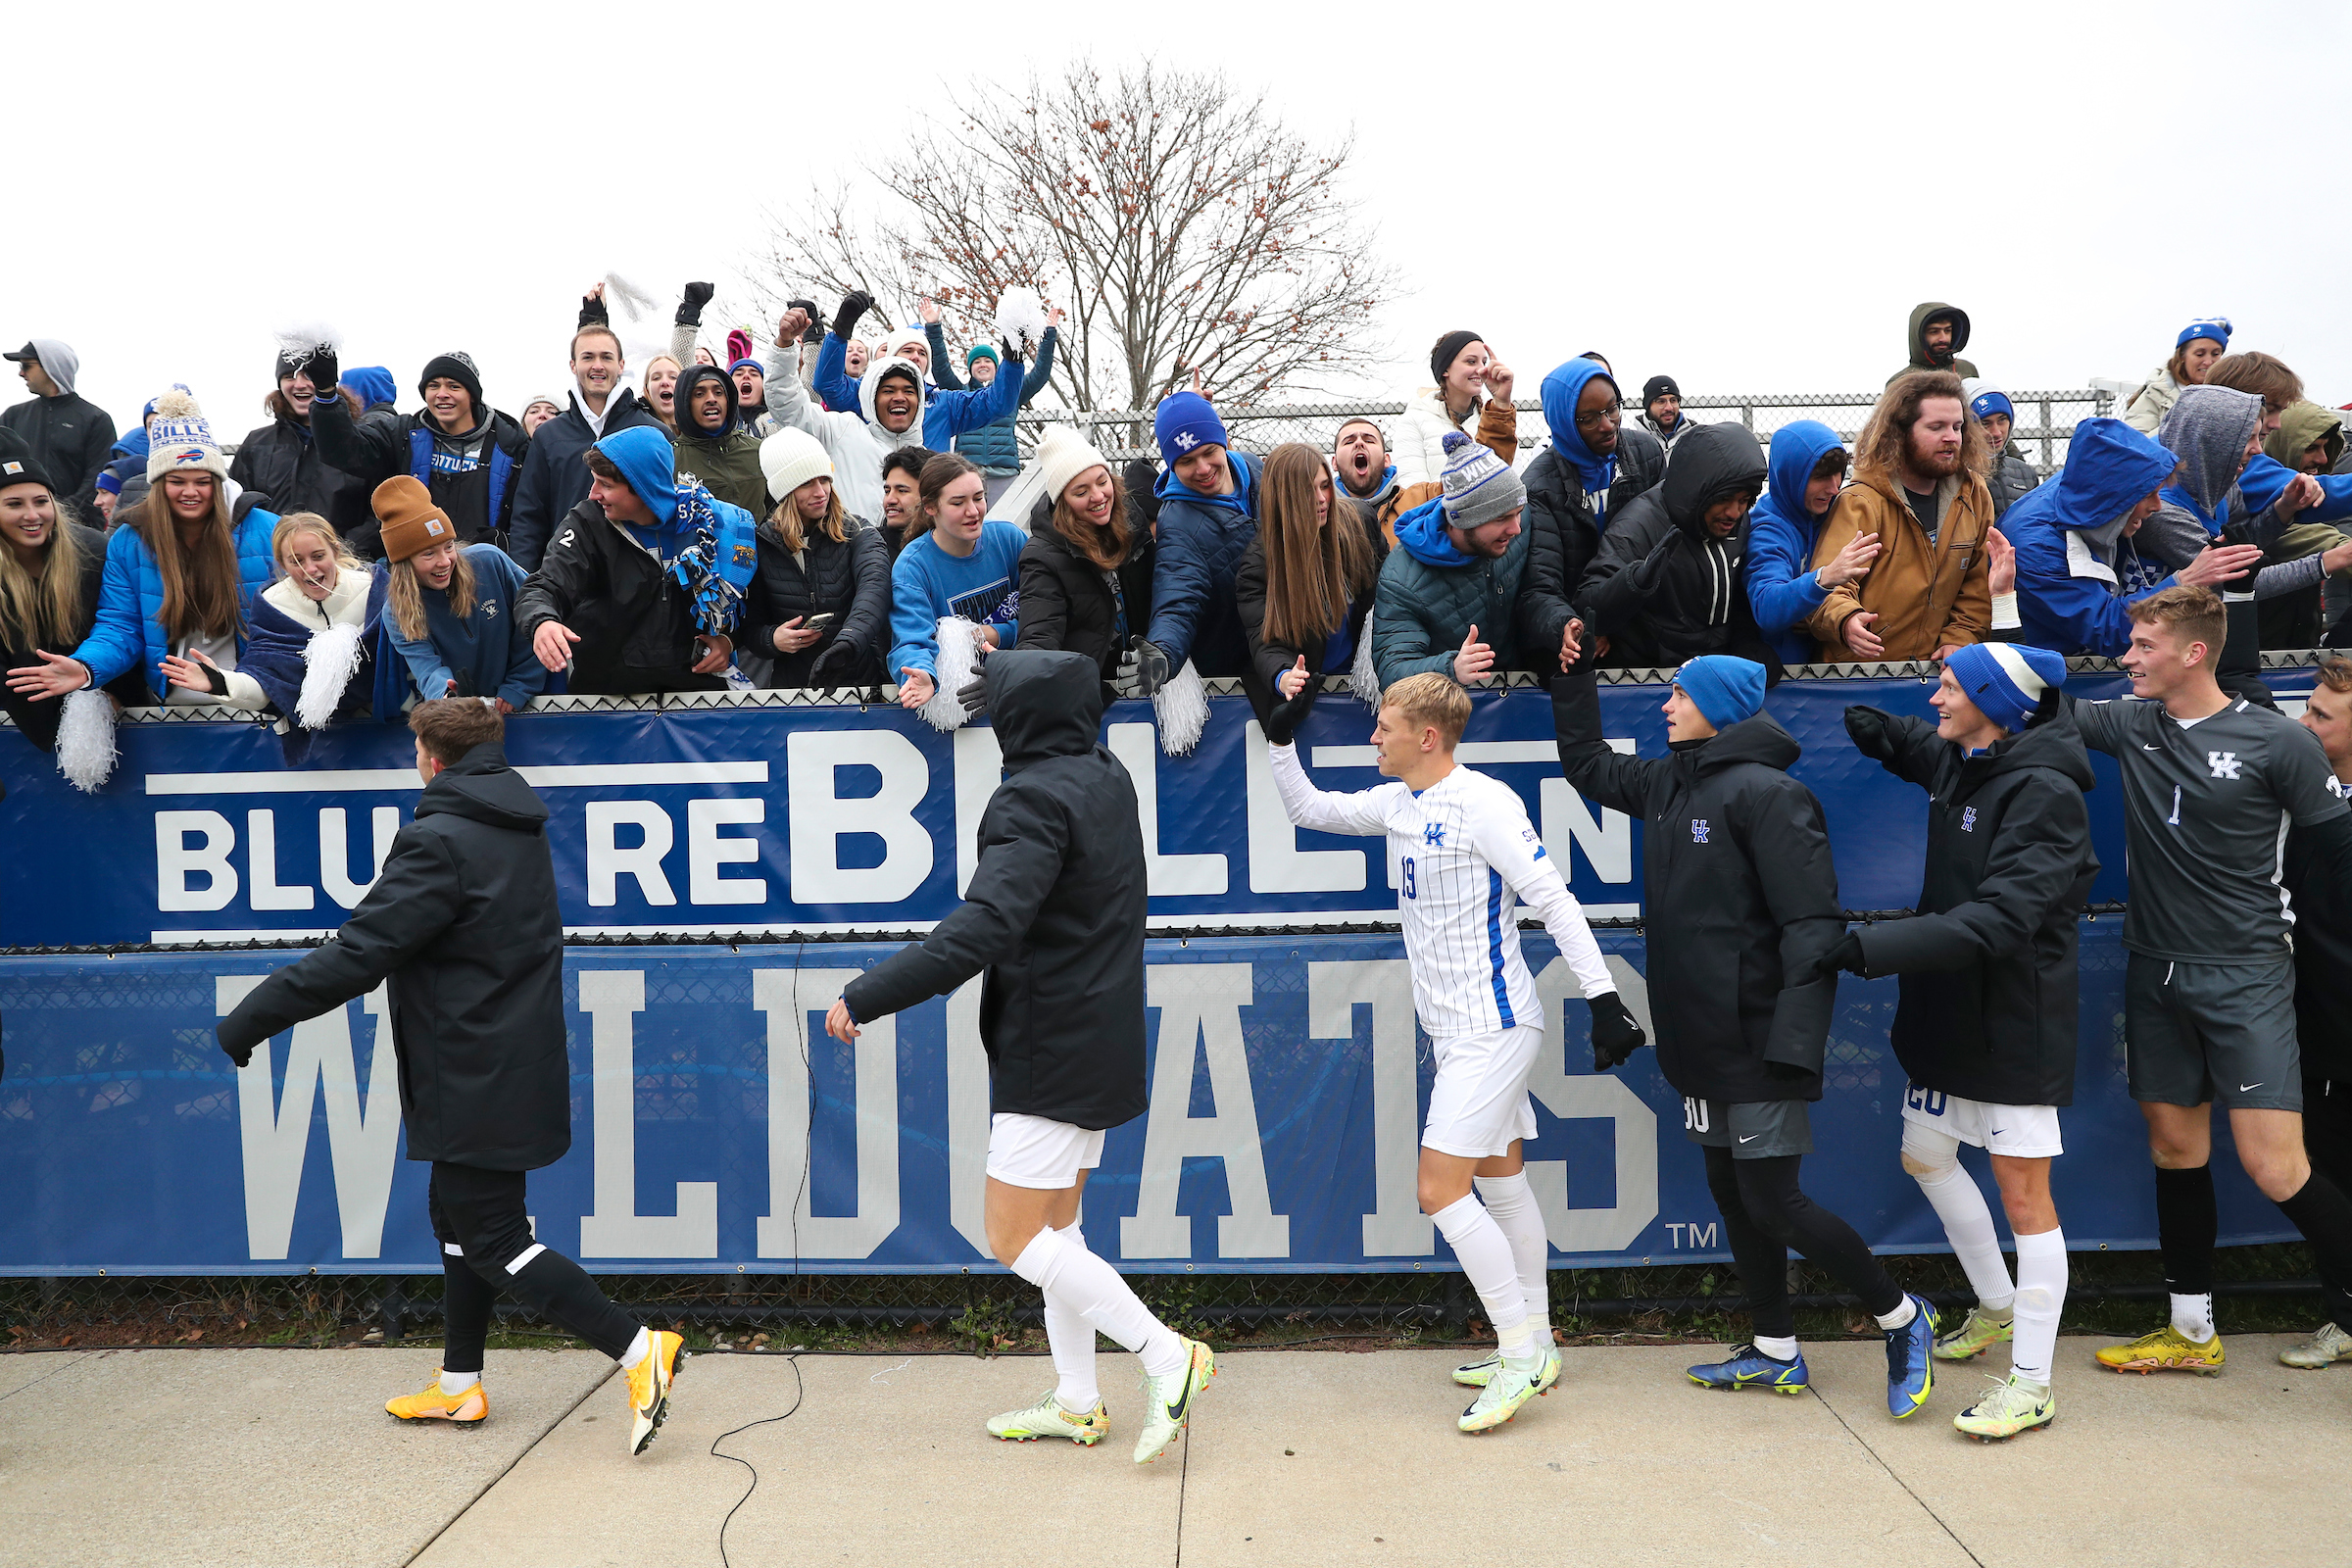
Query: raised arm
(1592, 767)
(1362, 814)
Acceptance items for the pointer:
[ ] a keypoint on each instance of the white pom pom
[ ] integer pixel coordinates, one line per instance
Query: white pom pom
(1182, 709)
(634, 301)
(85, 740)
(1021, 320)
(177, 403)
(299, 341)
(958, 659)
(1363, 676)
(334, 657)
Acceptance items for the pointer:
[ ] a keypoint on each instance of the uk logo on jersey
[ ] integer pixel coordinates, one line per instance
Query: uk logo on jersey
(1434, 833)
(1968, 819)
(2224, 763)
(1698, 830)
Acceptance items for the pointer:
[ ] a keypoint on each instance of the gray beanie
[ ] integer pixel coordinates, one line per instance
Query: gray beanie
(1477, 486)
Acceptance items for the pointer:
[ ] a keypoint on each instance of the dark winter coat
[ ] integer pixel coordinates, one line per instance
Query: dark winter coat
(2011, 477)
(727, 463)
(635, 623)
(1055, 913)
(463, 922)
(37, 719)
(1915, 342)
(282, 461)
(1988, 961)
(2322, 906)
(554, 481)
(1200, 542)
(372, 450)
(1664, 588)
(1563, 535)
(1430, 595)
(847, 579)
(1268, 660)
(1738, 894)
(70, 438)
(1069, 602)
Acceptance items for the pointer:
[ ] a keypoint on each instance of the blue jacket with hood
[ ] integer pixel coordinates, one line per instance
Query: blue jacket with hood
(946, 415)
(1783, 589)
(996, 448)
(2261, 480)
(129, 634)
(1571, 496)
(1195, 612)
(2069, 592)
(1430, 595)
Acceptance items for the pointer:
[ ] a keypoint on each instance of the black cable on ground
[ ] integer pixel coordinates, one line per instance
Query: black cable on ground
(798, 1389)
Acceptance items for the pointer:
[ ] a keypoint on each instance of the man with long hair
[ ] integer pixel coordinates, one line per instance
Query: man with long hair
(1918, 486)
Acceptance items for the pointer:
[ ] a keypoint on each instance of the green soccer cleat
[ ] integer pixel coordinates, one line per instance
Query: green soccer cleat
(1972, 1338)
(1048, 1419)
(1168, 1401)
(1506, 1390)
(2014, 1406)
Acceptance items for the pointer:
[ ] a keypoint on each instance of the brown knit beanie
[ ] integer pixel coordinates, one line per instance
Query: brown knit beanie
(411, 521)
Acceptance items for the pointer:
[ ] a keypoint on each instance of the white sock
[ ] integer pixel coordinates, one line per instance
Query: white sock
(1060, 1265)
(1778, 1350)
(639, 1348)
(1512, 1203)
(1901, 1315)
(2041, 1297)
(1071, 1339)
(2192, 1317)
(1960, 1203)
(1485, 1255)
(454, 1384)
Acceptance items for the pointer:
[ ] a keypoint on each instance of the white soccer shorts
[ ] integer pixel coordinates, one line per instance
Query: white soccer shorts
(1032, 1152)
(1479, 1102)
(2022, 1132)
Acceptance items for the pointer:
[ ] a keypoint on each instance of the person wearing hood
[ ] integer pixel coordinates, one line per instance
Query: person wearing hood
(1053, 920)
(997, 447)
(449, 610)
(67, 434)
(124, 479)
(1671, 580)
(554, 478)
(1662, 412)
(463, 929)
(2309, 440)
(959, 563)
(1472, 398)
(1918, 487)
(818, 609)
(1740, 896)
(458, 446)
(2007, 475)
(714, 443)
(1590, 471)
(1454, 575)
(641, 587)
(49, 572)
(888, 413)
(1987, 1022)
(751, 386)
(1306, 587)
(282, 458)
(1936, 334)
(542, 408)
(2200, 343)
(1207, 515)
(1803, 474)
(947, 415)
(1086, 571)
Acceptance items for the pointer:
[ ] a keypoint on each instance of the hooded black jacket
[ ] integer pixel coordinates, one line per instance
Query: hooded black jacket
(1067, 602)
(1915, 342)
(2322, 906)
(281, 460)
(849, 578)
(1267, 661)
(1663, 589)
(1738, 893)
(463, 922)
(70, 436)
(1054, 912)
(1563, 536)
(1989, 962)
(554, 479)
(635, 623)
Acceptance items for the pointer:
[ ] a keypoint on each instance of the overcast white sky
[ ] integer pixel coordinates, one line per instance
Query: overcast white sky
(1749, 197)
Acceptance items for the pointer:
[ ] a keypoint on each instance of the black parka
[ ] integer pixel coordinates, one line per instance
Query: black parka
(1563, 536)
(2322, 906)
(463, 922)
(36, 719)
(1664, 588)
(554, 478)
(847, 578)
(1054, 912)
(636, 625)
(1069, 602)
(281, 460)
(1738, 893)
(70, 438)
(1988, 961)
(1267, 661)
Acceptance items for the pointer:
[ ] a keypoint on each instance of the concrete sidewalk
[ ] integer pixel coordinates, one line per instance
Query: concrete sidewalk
(286, 1458)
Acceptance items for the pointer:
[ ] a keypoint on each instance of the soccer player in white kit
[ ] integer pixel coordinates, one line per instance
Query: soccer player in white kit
(1467, 854)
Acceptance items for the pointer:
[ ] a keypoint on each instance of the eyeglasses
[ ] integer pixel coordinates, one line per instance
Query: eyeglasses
(1598, 417)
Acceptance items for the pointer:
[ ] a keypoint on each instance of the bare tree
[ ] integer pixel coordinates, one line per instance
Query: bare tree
(1182, 227)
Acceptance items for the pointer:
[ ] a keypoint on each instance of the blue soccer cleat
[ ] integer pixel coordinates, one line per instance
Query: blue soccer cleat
(1750, 1368)
(1910, 1361)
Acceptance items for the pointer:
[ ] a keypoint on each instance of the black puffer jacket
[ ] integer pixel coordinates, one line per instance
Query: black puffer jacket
(1989, 985)
(555, 479)
(635, 623)
(2011, 477)
(463, 922)
(1069, 602)
(1738, 893)
(1664, 588)
(2322, 906)
(70, 436)
(1054, 912)
(36, 719)
(281, 460)
(1268, 660)
(1563, 535)
(847, 579)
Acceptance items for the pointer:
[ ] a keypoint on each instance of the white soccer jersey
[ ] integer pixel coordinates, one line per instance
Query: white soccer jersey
(1467, 854)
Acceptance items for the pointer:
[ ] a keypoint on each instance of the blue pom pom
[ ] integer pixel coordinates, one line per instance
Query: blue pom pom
(1454, 441)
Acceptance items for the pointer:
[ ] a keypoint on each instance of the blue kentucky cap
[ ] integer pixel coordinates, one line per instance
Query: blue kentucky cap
(2006, 681)
(1185, 423)
(1726, 689)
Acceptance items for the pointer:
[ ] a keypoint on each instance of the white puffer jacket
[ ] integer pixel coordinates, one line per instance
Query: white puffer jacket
(1419, 450)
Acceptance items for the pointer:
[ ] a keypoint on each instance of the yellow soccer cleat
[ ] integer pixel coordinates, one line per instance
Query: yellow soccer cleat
(1048, 1419)
(459, 1410)
(649, 1387)
(1972, 1338)
(2012, 1406)
(2166, 1349)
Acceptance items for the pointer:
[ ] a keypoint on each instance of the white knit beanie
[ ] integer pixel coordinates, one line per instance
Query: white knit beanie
(181, 438)
(790, 459)
(1062, 455)
(904, 338)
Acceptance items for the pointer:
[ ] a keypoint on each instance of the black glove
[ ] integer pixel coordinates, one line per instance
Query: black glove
(690, 306)
(240, 1055)
(853, 305)
(593, 312)
(324, 370)
(974, 695)
(1846, 955)
(1151, 668)
(1287, 714)
(838, 655)
(1615, 1034)
(816, 321)
(1868, 727)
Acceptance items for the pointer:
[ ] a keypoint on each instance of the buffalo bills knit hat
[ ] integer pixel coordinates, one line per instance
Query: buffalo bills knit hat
(1726, 689)
(1185, 423)
(181, 438)
(2006, 681)
(1477, 486)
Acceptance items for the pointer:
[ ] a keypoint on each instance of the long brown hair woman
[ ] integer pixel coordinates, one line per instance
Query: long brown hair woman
(1306, 584)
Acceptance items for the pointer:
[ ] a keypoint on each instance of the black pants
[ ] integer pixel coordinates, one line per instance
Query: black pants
(2327, 1141)
(1765, 1214)
(484, 1229)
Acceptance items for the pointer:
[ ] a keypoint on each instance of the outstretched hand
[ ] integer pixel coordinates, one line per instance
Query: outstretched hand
(1571, 644)
(1475, 659)
(838, 1022)
(1858, 636)
(2000, 570)
(54, 676)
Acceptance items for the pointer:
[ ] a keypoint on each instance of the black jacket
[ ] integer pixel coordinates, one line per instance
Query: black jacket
(1563, 536)
(463, 923)
(1663, 589)
(1267, 661)
(1054, 912)
(36, 719)
(635, 623)
(1069, 602)
(1989, 962)
(372, 450)
(1738, 893)
(70, 437)
(281, 459)
(847, 579)
(554, 479)
(2322, 906)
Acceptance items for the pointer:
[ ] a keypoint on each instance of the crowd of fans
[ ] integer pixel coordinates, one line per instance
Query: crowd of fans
(837, 511)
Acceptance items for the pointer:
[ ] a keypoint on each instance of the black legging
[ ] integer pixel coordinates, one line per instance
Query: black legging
(1765, 1214)
(480, 1219)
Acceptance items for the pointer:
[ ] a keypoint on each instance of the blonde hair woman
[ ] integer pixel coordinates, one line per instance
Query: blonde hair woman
(450, 608)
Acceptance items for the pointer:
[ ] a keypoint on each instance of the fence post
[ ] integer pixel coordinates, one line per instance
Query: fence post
(2046, 464)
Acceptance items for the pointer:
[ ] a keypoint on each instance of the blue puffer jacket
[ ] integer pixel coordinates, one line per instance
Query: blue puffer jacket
(1201, 540)
(1430, 595)
(2071, 588)
(996, 448)
(130, 601)
(1783, 588)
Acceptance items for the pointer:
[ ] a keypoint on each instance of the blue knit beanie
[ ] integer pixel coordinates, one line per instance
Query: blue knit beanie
(2006, 681)
(1726, 690)
(1185, 423)
(1984, 400)
(2216, 327)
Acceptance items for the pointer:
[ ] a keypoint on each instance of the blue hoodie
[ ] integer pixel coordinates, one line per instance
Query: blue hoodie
(2069, 593)
(1561, 390)
(1195, 613)
(1783, 589)
(2262, 480)
(373, 384)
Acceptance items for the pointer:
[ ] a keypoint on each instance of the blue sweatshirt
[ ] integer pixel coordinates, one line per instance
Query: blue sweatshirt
(927, 584)
(487, 646)
(1783, 588)
(946, 415)
(2068, 594)
(2262, 480)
